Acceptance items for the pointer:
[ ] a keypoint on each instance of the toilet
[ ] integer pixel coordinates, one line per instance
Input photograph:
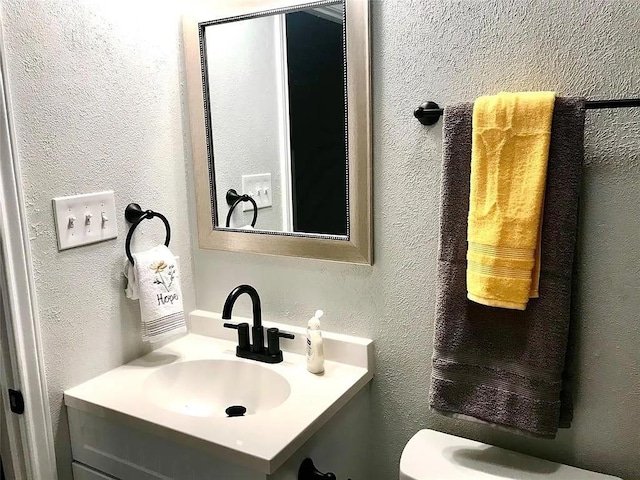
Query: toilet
(431, 455)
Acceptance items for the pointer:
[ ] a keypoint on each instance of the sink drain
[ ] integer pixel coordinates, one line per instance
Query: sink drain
(236, 411)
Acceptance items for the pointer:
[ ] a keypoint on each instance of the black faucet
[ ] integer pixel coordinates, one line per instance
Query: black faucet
(257, 350)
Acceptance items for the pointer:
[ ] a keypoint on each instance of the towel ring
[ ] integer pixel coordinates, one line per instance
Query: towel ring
(135, 215)
(234, 199)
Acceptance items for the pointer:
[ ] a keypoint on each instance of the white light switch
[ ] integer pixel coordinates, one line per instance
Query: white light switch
(84, 219)
(257, 187)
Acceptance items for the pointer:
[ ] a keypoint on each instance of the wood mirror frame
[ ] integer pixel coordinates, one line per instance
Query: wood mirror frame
(357, 248)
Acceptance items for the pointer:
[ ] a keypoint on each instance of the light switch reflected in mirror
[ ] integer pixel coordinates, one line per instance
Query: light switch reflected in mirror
(276, 120)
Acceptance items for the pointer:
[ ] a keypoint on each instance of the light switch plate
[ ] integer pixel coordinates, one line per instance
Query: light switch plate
(84, 219)
(257, 187)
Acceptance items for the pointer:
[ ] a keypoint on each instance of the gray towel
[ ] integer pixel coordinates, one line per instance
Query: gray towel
(498, 366)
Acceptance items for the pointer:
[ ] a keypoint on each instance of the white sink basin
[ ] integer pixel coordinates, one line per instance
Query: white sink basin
(206, 388)
(179, 393)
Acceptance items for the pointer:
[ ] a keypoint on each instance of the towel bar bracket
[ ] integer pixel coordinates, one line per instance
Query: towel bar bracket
(428, 113)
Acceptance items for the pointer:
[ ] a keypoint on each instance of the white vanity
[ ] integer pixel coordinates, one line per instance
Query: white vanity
(163, 416)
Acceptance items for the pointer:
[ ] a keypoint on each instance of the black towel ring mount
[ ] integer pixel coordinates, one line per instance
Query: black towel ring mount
(135, 215)
(234, 199)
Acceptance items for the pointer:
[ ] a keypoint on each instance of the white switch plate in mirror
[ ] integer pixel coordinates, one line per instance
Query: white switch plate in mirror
(85, 219)
(257, 187)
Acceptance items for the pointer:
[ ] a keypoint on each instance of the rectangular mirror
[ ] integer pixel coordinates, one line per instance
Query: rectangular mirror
(279, 103)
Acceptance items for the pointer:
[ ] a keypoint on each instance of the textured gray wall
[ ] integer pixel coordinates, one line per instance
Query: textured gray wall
(452, 51)
(97, 100)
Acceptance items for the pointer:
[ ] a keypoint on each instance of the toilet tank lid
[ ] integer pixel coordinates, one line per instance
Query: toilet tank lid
(431, 455)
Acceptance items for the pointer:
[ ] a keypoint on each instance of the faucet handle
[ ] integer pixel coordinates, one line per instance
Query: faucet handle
(243, 334)
(273, 340)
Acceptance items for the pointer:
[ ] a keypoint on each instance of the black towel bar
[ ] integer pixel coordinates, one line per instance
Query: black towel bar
(430, 112)
(135, 215)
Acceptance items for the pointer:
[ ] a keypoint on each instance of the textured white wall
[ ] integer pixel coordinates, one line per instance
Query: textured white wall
(245, 118)
(98, 104)
(451, 51)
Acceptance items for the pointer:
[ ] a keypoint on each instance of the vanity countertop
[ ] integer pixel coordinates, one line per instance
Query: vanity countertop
(262, 441)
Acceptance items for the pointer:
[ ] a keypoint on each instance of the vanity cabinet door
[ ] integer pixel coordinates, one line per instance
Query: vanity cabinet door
(127, 453)
(82, 472)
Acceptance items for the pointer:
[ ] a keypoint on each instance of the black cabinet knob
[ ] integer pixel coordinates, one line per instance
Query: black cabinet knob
(308, 471)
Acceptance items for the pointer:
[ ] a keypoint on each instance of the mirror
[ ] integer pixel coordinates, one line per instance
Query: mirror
(280, 122)
(277, 120)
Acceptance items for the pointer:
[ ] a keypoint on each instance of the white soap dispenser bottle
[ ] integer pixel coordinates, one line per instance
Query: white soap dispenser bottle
(315, 350)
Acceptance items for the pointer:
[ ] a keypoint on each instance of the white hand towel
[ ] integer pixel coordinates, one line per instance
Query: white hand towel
(155, 281)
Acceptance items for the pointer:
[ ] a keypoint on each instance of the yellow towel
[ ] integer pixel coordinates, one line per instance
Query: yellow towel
(510, 149)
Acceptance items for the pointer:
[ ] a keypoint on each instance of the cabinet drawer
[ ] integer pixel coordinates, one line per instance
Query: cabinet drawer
(129, 454)
(82, 472)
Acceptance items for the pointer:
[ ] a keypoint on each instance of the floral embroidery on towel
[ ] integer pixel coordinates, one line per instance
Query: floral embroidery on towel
(159, 268)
